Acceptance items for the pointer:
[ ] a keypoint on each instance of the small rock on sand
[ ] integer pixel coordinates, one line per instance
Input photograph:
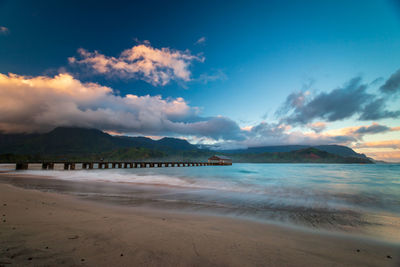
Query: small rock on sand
(388, 256)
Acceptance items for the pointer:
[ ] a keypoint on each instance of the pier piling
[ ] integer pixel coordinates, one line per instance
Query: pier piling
(113, 165)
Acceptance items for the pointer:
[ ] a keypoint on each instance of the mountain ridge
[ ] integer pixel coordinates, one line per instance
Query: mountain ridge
(81, 140)
(334, 149)
(81, 143)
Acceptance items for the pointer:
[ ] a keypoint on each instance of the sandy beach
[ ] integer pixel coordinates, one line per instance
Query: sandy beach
(48, 229)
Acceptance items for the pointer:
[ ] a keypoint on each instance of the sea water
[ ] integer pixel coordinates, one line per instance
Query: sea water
(352, 198)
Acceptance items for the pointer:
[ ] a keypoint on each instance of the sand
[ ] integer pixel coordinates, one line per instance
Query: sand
(48, 229)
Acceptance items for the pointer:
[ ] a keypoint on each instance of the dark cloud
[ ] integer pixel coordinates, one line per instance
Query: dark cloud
(215, 127)
(266, 129)
(392, 85)
(342, 139)
(376, 110)
(338, 104)
(293, 101)
(372, 129)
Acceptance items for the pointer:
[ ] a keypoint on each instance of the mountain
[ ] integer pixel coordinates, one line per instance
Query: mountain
(72, 140)
(343, 151)
(71, 143)
(305, 155)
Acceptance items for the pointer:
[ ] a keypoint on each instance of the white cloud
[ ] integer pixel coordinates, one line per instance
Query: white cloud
(38, 104)
(153, 65)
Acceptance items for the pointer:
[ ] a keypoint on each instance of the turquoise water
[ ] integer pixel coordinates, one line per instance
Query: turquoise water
(341, 197)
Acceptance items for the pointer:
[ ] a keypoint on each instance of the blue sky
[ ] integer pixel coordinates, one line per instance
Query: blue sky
(242, 61)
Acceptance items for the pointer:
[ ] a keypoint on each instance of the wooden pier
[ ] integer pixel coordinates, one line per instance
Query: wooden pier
(111, 165)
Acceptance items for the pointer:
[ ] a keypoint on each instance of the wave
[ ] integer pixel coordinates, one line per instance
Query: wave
(129, 177)
(272, 195)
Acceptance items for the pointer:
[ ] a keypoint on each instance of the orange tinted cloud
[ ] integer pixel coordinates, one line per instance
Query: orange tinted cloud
(4, 30)
(156, 66)
(389, 156)
(394, 144)
(318, 126)
(360, 131)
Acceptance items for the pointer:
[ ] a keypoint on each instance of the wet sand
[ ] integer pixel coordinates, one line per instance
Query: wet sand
(48, 229)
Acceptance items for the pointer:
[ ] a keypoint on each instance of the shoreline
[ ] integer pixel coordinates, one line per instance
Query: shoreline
(79, 232)
(372, 225)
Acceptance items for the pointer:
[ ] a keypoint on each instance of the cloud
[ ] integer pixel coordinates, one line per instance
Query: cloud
(218, 128)
(352, 99)
(392, 85)
(271, 134)
(389, 156)
(41, 103)
(38, 104)
(153, 65)
(215, 76)
(358, 132)
(376, 110)
(317, 127)
(295, 101)
(372, 129)
(4, 30)
(394, 144)
(201, 40)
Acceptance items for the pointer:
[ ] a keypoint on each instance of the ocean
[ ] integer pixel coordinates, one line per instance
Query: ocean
(352, 199)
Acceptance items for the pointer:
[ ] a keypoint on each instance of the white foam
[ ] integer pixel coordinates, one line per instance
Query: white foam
(274, 195)
(115, 176)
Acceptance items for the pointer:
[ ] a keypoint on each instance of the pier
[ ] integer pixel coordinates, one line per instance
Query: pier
(112, 165)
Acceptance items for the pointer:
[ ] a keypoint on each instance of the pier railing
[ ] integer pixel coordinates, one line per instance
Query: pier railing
(112, 165)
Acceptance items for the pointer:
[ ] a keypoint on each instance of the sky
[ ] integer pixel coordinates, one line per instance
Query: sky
(243, 74)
